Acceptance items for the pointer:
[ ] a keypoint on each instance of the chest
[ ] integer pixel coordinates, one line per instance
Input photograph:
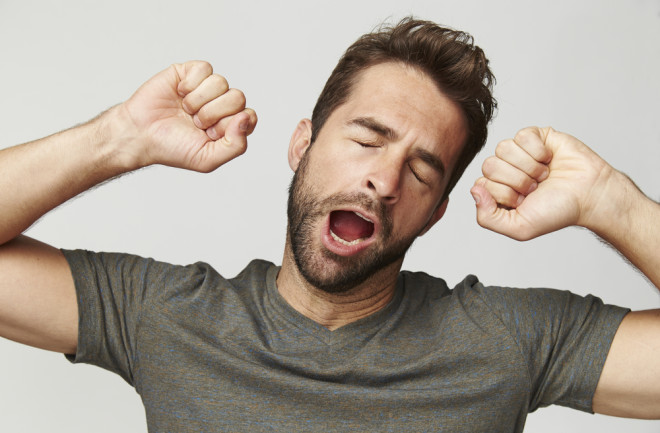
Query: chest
(224, 374)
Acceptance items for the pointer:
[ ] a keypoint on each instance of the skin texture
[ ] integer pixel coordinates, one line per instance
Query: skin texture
(157, 125)
(388, 143)
(543, 180)
(387, 170)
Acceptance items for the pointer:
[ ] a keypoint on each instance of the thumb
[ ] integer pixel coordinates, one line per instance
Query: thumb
(235, 137)
(487, 209)
(491, 216)
(232, 144)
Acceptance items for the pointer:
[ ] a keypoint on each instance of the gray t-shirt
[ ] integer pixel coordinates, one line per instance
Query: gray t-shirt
(209, 354)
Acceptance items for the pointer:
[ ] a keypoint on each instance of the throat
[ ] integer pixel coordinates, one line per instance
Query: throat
(350, 228)
(331, 310)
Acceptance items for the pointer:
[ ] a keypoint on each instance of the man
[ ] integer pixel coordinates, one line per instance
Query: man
(338, 339)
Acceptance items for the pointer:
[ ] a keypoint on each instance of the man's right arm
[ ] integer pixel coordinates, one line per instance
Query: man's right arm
(185, 117)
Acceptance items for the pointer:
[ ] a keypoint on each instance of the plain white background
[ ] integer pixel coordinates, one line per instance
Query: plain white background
(590, 68)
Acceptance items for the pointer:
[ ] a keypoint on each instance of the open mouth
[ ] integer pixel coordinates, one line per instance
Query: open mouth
(350, 227)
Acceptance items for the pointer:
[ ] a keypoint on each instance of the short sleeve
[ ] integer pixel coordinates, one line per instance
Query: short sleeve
(563, 338)
(112, 290)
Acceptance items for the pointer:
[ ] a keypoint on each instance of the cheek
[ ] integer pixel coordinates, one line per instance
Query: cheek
(411, 216)
(336, 172)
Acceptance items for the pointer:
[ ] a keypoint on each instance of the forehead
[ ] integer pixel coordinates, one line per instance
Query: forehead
(408, 101)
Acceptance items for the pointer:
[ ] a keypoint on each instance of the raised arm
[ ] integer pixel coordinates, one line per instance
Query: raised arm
(543, 180)
(185, 117)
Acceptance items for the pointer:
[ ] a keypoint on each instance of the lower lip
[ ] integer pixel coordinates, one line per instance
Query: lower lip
(337, 247)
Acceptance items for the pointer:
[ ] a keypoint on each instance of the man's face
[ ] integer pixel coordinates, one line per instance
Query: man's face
(373, 180)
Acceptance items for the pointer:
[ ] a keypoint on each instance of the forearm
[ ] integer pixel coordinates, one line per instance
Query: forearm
(630, 222)
(167, 121)
(38, 176)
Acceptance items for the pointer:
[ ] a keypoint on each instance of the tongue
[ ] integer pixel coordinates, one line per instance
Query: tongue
(349, 226)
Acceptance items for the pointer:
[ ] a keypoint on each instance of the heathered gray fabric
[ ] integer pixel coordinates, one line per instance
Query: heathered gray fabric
(208, 354)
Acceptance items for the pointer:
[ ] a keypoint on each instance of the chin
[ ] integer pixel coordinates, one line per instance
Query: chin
(332, 273)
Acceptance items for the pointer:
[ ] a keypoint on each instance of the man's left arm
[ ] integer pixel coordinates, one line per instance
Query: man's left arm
(543, 180)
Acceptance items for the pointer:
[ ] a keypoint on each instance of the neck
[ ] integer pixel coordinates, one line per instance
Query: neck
(334, 310)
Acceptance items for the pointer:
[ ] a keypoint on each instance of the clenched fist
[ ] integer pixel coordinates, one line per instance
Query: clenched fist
(185, 116)
(540, 181)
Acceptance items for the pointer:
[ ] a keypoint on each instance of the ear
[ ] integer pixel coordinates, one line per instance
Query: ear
(437, 214)
(300, 141)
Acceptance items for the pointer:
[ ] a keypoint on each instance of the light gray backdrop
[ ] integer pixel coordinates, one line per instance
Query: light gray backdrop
(590, 68)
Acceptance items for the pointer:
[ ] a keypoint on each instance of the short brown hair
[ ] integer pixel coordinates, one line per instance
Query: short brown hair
(449, 57)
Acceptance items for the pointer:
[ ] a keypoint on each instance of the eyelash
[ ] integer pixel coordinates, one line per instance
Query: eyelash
(369, 145)
(419, 178)
(365, 144)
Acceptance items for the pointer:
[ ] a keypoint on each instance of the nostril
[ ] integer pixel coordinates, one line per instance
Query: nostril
(387, 194)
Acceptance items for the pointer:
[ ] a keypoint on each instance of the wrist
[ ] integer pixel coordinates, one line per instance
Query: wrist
(118, 141)
(618, 203)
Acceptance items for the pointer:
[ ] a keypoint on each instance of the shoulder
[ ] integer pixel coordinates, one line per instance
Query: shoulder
(501, 307)
(421, 283)
(125, 270)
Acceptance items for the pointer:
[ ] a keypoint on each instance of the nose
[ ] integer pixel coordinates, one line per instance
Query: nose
(384, 179)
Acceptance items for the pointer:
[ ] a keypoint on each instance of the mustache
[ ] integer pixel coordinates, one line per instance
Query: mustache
(311, 206)
(357, 199)
(354, 199)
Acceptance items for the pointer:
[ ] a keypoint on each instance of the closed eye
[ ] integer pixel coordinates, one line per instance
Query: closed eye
(422, 173)
(366, 143)
(418, 176)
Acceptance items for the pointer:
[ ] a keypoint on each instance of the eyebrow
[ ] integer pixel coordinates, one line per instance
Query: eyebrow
(385, 131)
(375, 126)
(431, 160)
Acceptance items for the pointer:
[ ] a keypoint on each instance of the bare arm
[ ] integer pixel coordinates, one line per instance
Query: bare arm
(629, 385)
(185, 116)
(37, 297)
(544, 180)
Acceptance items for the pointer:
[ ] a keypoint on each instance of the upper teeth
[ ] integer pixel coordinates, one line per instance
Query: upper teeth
(363, 217)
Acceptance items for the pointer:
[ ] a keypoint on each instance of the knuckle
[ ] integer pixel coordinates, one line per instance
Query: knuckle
(523, 184)
(524, 134)
(504, 148)
(538, 171)
(489, 165)
(219, 82)
(507, 144)
(480, 181)
(237, 97)
(192, 102)
(187, 104)
(204, 117)
(202, 66)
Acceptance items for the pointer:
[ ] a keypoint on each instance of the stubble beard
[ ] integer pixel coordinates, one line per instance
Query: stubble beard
(322, 268)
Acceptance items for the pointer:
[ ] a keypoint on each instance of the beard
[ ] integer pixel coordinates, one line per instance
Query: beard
(322, 268)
